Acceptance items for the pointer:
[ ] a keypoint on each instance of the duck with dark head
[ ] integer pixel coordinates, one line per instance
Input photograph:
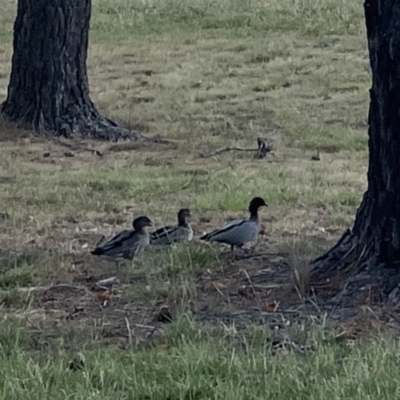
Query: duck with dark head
(127, 244)
(169, 234)
(239, 232)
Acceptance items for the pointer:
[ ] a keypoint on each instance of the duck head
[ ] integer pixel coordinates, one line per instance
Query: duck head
(183, 216)
(255, 204)
(141, 222)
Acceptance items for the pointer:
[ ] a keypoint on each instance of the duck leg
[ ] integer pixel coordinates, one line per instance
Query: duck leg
(232, 252)
(254, 247)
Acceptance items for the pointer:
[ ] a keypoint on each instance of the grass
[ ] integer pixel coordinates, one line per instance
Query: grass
(205, 75)
(190, 365)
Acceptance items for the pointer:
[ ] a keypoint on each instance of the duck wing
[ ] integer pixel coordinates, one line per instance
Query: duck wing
(112, 242)
(162, 233)
(170, 234)
(127, 245)
(135, 245)
(233, 222)
(235, 233)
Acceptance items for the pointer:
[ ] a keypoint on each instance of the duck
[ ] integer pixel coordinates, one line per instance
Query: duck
(241, 231)
(182, 232)
(127, 244)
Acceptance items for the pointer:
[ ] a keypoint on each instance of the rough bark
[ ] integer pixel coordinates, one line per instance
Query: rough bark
(374, 240)
(48, 89)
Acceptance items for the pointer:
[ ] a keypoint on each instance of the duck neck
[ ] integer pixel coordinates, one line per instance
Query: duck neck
(182, 222)
(254, 216)
(138, 228)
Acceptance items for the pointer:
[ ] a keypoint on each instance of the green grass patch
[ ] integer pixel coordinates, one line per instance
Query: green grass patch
(237, 17)
(201, 364)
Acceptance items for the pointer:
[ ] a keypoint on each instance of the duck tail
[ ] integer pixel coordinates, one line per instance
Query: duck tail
(154, 239)
(206, 237)
(97, 251)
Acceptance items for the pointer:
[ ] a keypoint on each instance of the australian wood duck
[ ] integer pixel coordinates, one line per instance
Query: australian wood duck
(126, 244)
(174, 233)
(238, 232)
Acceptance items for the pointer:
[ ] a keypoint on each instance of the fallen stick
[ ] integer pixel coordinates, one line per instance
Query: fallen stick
(104, 283)
(225, 149)
(260, 152)
(52, 287)
(108, 282)
(144, 326)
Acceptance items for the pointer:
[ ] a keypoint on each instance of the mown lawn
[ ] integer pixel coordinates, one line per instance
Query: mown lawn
(204, 75)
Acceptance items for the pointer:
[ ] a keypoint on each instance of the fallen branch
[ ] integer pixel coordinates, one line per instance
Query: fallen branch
(260, 152)
(225, 149)
(104, 284)
(145, 326)
(51, 288)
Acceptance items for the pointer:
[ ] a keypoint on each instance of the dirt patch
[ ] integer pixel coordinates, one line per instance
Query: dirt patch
(255, 289)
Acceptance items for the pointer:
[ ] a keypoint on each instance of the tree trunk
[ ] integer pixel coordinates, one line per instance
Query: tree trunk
(375, 236)
(48, 89)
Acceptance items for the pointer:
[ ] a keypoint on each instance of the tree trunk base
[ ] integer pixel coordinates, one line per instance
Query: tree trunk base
(48, 90)
(351, 269)
(337, 259)
(99, 128)
(92, 126)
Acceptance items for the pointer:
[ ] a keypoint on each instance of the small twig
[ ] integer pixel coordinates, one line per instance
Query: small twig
(128, 327)
(252, 285)
(52, 287)
(144, 326)
(274, 286)
(107, 283)
(219, 291)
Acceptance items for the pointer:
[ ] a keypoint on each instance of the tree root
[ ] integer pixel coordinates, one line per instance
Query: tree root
(103, 129)
(352, 268)
(83, 124)
(337, 259)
